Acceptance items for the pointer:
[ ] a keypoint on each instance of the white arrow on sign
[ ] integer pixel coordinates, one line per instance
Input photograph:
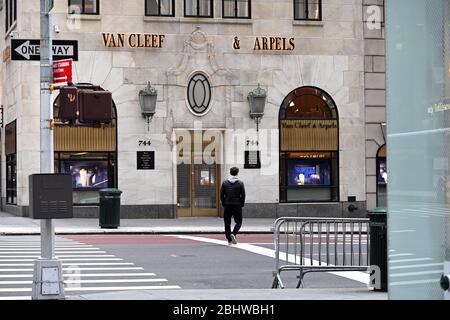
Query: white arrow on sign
(26, 50)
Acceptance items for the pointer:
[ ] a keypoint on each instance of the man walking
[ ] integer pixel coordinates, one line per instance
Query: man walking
(232, 196)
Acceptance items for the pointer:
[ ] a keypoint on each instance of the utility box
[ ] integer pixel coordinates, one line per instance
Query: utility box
(95, 106)
(68, 104)
(51, 196)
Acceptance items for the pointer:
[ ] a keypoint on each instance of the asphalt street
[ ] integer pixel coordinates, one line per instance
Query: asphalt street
(103, 263)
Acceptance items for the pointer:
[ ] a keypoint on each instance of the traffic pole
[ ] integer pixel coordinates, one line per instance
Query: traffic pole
(48, 276)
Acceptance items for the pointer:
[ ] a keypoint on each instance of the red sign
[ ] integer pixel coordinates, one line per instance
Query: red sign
(62, 71)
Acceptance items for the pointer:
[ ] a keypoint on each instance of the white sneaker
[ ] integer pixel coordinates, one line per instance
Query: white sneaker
(233, 239)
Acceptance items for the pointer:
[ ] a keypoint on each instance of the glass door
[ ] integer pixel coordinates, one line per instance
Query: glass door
(198, 179)
(204, 189)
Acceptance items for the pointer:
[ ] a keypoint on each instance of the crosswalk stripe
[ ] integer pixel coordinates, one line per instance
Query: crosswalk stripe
(56, 252)
(74, 259)
(68, 264)
(80, 281)
(84, 275)
(76, 281)
(65, 256)
(142, 274)
(16, 270)
(122, 288)
(37, 249)
(98, 288)
(16, 298)
(18, 245)
(87, 256)
(101, 264)
(103, 268)
(15, 289)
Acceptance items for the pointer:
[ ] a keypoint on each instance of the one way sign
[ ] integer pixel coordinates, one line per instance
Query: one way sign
(29, 49)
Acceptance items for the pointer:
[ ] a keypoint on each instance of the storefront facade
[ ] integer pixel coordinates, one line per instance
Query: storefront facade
(315, 150)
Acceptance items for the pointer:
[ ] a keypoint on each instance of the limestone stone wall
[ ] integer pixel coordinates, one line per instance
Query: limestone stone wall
(329, 54)
(375, 93)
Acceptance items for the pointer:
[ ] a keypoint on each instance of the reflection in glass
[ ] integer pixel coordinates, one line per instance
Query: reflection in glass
(159, 8)
(418, 146)
(198, 8)
(236, 8)
(307, 9)
(84, 6)
(190, 7)
(152, 7)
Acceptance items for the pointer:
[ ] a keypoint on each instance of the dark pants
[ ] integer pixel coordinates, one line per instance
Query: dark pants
(236, 213)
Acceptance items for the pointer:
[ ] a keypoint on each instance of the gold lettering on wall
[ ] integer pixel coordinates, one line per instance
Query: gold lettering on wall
(309, 135)
(133, 40)
(273, 44)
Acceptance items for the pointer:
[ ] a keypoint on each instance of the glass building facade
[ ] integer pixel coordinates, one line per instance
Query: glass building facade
(418, 99)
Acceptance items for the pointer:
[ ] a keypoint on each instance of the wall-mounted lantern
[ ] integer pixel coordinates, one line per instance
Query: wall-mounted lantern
(147, 100)
(257, 103)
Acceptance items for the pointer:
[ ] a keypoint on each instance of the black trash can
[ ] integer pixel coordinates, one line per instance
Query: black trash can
(109, 208)
(378, 244)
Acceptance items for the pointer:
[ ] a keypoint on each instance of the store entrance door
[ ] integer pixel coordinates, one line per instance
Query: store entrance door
(198, 175)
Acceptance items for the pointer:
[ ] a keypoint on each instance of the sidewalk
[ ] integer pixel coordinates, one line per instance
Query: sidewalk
(241, 294)
(12, 225)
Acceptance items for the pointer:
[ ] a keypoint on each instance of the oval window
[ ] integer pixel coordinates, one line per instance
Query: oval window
(199, 93)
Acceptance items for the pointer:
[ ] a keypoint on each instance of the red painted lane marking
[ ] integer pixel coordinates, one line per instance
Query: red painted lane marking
(127, 239)
(163, 239)
(242, 237)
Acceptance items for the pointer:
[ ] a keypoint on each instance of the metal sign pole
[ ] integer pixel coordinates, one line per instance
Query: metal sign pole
(48, 277)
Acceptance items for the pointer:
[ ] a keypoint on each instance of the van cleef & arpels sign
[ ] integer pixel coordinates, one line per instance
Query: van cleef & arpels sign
(268, 44)
(149, 40)
(133, 40)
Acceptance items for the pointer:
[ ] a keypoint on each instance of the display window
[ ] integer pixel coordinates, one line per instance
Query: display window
(90, 171)
(382, 171)
(87, 174)
(11, 163)
(382, 177)
(309, 144)
(304, 173)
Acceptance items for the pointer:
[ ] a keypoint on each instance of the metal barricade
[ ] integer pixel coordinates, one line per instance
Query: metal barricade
(320, 245)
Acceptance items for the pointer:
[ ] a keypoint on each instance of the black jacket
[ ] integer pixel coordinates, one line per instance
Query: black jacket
(232, 192)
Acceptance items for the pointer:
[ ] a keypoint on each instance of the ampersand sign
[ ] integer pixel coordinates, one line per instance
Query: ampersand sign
(236, 43)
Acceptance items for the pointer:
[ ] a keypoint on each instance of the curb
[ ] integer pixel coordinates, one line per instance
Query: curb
(119, 232)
